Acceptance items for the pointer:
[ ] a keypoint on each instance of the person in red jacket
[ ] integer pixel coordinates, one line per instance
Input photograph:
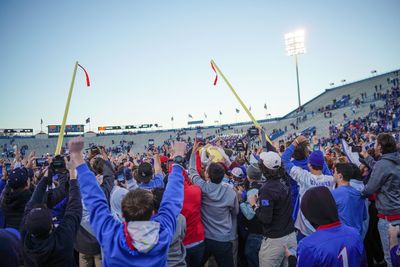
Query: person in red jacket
(194, 237)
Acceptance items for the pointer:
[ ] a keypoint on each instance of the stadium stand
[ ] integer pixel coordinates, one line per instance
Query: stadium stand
(334, 100)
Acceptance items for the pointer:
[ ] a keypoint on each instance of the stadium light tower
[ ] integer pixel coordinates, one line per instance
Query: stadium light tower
(294, 42)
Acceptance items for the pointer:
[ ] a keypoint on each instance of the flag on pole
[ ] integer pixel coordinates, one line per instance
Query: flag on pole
(86, 74)
(190, 116)
(237, 110)
(88, 120)
(172, 118)
(220, 112)
(41, 121)
(216, 74)
(265, 106)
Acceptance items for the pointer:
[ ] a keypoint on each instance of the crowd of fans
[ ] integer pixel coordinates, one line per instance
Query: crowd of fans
(230, 200)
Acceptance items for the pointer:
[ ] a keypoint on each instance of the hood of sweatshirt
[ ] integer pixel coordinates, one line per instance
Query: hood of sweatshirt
(142, 235)
(394, 157)
(117, 194)
(354, 193)
(356, 184)
(217, 192)
(16, 201)
(37, 250)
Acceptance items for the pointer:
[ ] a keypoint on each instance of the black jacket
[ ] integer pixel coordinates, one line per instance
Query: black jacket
(57, 249)
(275, 208)
(13, 205)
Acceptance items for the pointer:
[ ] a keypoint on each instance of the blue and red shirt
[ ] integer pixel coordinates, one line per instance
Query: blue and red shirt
(335, 245)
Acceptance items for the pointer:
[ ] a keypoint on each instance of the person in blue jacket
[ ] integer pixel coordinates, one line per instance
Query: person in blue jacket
(142, 239)
(350, 203)
(333, 244)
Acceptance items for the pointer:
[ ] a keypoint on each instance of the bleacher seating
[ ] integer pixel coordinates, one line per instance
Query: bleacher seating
(313, 119)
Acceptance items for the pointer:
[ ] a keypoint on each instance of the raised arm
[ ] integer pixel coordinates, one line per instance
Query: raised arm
(172, 200)
(57, 194)
(73, 212)
(38, 195)
(93, 197)
(287, 157)
(108, 179)
(157, 163)
(194, 175)
(377, 178)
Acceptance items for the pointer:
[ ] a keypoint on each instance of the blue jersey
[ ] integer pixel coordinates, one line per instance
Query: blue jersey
(335, 245)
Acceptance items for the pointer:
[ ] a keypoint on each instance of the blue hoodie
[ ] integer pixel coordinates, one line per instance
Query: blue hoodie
(150, 239)
(351, 207)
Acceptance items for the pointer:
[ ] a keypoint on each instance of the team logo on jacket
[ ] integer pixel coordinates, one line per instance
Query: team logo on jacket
(265, 202)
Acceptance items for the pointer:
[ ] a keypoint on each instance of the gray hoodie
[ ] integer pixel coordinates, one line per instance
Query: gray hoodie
(385, 181)
(219, 207)
(177, 251)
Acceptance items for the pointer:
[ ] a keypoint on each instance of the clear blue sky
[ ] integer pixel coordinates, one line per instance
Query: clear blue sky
(149, 60)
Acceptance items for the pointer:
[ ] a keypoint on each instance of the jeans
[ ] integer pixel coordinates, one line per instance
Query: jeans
(222, 252)
(194, 255)
(383, 226)
(252, 247)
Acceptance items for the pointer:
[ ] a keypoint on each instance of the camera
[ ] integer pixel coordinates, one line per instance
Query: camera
(40, 162)
(58, 164)
(253, 131)
(240, 146)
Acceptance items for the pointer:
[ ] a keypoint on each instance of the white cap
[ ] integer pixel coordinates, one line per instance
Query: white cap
(237, 172)
(271, 160)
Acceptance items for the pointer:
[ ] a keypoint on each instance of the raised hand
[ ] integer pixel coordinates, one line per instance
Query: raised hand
(179, 149)
(75, 146)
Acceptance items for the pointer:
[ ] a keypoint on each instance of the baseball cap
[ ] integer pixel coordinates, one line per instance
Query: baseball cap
(271, 160)
(18, 177)
(237, 172)
(316, 158)
(254, 172)
(39, 222)
(163, 159)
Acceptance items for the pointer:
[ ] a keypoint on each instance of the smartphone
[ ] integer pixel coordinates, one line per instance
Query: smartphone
(315, 147)
(8, 167)
(40, 162)
(356, 149)
(120, 177)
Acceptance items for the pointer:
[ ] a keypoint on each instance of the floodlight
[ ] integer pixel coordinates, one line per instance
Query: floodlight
(294, 42)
